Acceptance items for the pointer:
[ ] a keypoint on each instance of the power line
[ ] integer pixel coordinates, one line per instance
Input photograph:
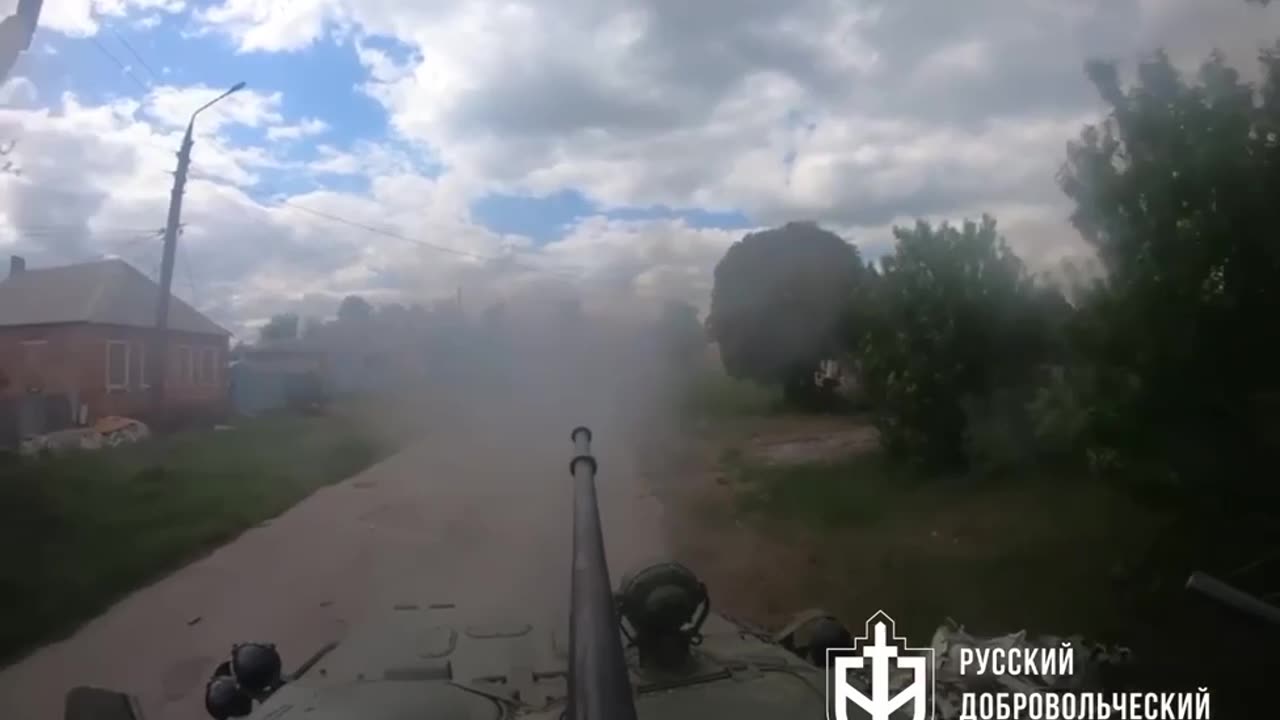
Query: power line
(151, 235)
(43, 229)
(387, 233)
(334, 218)
(405, 238)
(74, 236)
(124, 68)
(154, 75)
(424, 244)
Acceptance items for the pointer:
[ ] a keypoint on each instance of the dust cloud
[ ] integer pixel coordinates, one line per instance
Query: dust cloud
(474, 512)
(513, 362)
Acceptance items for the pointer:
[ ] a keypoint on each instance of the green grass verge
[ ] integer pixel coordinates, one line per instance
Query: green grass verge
(81, 530)
(1038, 553)
(713, 394)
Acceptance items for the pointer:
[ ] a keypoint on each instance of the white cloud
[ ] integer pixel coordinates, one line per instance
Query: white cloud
(172, 107)
(273, 26)
(99, 177)
(18, 92)
(307, 128)
(858, 114)
(83, 18)
(916, 107)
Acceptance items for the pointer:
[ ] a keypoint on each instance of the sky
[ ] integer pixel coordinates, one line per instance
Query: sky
(406, 149)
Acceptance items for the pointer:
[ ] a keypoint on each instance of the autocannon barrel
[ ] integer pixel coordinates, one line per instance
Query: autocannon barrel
(599, 686)
(1233, 598)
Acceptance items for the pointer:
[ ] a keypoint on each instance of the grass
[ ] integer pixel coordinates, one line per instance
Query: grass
(1051, 554)
(826, 495)
(1048, 549)
(713, 394)
(79, 531)
(995, 555)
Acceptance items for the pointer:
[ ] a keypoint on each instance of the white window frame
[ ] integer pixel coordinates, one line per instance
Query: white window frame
(25, 359)
(186, 365)
(117, 386)
(142, 366)
(202, 378)
(26, 343)
(211, 366)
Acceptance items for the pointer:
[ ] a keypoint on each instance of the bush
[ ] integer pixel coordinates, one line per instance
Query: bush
(712, 393)
(998, 435)
(949, 327)
(306, 394)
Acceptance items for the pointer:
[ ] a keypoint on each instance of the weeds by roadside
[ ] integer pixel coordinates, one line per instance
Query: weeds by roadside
(710, 393)
(1056, 551)
(79, 531)
(828, 494)
(995, 555)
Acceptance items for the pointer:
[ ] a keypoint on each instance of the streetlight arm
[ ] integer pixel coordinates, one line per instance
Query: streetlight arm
(234, 88)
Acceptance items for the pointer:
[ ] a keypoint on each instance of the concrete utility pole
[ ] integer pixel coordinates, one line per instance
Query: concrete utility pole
(157, 367)
(16, 32)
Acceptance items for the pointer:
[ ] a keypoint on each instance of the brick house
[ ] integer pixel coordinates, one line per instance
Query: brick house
(73, 347)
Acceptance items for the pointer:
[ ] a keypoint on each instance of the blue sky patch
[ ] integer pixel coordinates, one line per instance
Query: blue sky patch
(546, 218)
(322, 81)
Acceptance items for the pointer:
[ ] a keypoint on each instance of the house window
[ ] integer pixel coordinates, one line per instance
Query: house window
(210, 366)
(33, 363)
(117, 364)
(138, 366)
(202, 369)
(184, 365)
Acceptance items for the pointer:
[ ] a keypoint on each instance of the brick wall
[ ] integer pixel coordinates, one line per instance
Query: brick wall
(75, 360)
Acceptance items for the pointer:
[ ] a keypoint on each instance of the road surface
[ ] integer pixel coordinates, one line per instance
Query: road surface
(477, 514)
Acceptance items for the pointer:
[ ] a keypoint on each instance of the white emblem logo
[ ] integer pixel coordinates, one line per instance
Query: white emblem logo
(881, 651)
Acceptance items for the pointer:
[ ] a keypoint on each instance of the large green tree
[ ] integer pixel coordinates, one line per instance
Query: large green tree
(279, 327)
(682, 335)
(778, 301)
(355, 309)
(1177, 192)
(951, 316)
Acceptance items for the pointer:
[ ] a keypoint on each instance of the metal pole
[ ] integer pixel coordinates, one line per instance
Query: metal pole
(157, 367)
(599, 683)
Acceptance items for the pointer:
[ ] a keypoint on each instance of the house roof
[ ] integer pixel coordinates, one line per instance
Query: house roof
(107, 292)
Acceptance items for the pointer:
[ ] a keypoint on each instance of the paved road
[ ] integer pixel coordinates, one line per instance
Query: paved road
(475, 514)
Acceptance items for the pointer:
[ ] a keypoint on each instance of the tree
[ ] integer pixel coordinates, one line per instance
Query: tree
(355, 309)
(311, 326)
(279, 327)
(777, 303)
(394, 315)
(682, 336)
(951, 317)
(1176, 192)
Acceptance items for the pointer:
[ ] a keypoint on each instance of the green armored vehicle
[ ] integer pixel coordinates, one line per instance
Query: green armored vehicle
(653, 649)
